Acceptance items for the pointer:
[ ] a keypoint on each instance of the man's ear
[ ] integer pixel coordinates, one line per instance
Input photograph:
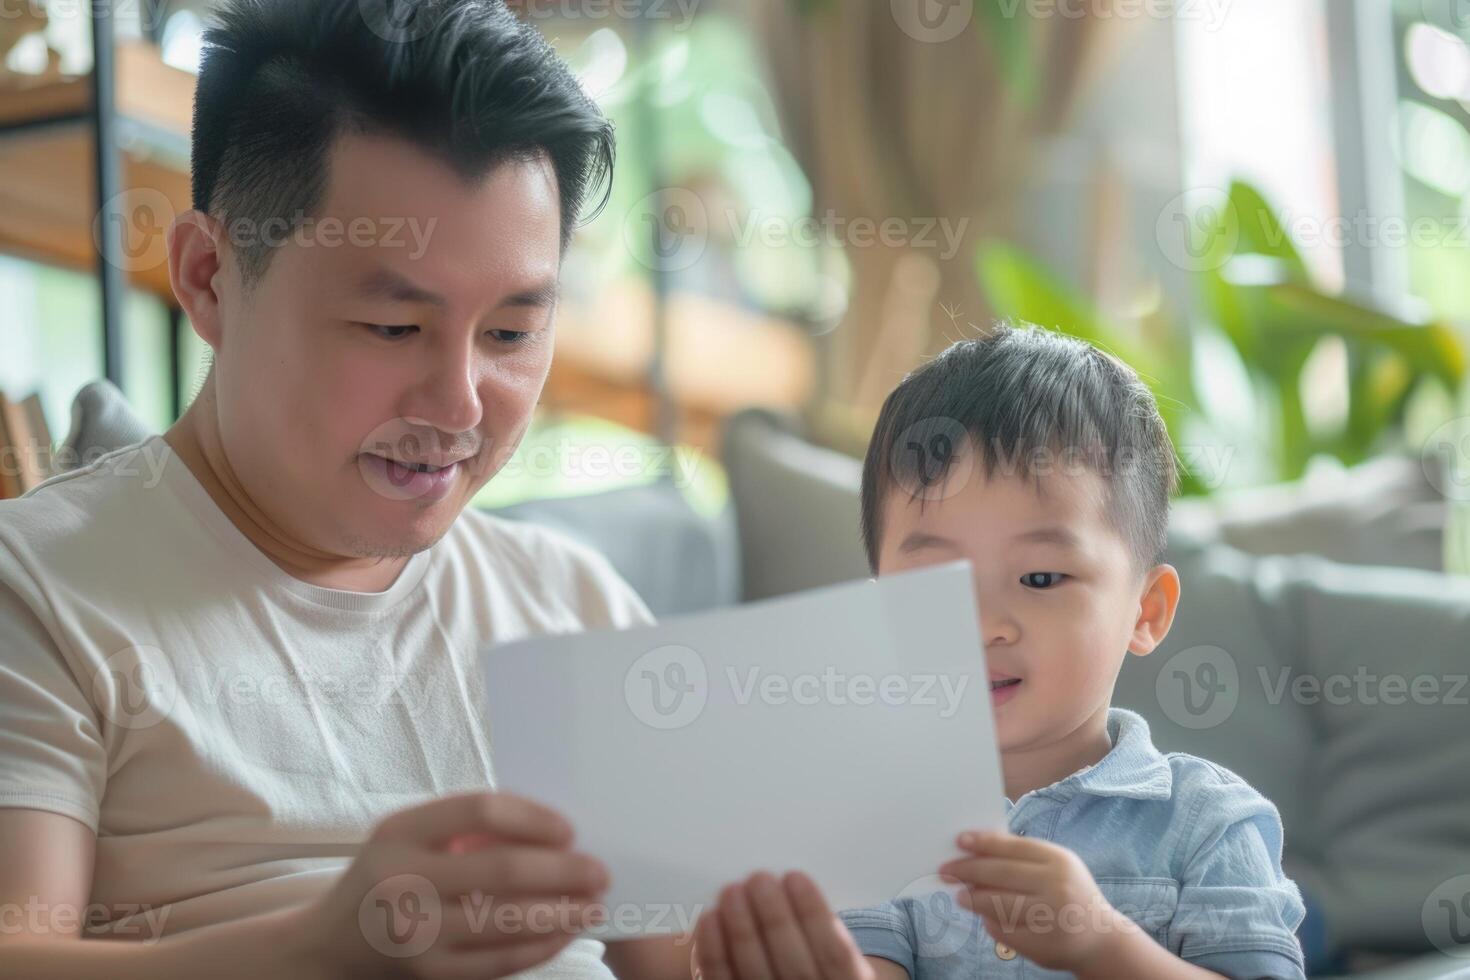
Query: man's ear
(1157, 603)
(197, 255)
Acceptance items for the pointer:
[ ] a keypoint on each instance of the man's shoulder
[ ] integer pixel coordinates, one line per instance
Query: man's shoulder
(109, 493)
(546, 561)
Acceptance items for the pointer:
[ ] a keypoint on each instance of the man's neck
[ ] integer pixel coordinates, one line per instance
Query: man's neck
(1031, 769)
(195, 439)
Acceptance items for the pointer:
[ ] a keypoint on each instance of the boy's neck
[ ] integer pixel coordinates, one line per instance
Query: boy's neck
(1034, 768)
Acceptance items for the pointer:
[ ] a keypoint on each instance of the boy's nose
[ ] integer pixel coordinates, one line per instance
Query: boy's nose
(997, 630)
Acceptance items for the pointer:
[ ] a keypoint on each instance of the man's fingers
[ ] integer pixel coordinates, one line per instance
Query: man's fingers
(497, 816)
(831, 944)
(474, 921)
(515, 871)
(785, 942)
(742, 936)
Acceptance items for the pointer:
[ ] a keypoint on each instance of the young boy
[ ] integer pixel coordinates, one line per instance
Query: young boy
(1044, 462)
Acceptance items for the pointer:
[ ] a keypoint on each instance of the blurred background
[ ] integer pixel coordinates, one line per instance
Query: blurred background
(1262, 205)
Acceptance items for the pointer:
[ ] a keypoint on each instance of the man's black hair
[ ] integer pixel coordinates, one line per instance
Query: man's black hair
(1024, 401)
(465, 79)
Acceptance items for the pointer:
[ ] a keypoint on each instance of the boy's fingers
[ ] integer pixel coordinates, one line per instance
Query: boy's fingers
(996, 843)
(989, 904)
(831, 944)
(709, 946)
(742, 936)
(999, 873)
(785, 942)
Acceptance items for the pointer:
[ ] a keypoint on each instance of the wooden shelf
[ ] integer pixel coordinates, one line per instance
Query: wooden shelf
(47, 181)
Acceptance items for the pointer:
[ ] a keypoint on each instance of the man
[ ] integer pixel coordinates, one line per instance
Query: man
(239, 658)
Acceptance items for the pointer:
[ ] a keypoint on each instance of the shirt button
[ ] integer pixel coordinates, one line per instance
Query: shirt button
(1004, 951)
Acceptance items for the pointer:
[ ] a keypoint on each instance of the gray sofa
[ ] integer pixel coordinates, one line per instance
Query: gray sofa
(1374, 795)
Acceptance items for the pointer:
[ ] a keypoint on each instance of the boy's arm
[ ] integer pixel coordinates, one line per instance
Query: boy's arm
(1134, 953)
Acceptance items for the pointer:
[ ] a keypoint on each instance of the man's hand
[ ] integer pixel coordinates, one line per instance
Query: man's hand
(765, 929)
(478, 885)
(1038, 898)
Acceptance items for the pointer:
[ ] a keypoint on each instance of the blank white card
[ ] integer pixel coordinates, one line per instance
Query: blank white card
(845, 732)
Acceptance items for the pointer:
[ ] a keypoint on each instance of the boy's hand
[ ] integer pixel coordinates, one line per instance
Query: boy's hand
(765, 929)
(1036, 897)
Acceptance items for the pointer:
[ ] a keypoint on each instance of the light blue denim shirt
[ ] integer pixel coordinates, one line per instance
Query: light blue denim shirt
(1183, 847)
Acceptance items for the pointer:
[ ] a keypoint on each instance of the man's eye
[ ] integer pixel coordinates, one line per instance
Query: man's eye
(1041, 580)
(390, 331)
(510, 336)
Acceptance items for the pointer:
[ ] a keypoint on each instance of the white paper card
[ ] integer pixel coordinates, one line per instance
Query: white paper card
(845, 732)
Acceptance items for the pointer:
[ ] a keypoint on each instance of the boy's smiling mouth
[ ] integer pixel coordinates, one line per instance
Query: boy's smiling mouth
(1002, 687)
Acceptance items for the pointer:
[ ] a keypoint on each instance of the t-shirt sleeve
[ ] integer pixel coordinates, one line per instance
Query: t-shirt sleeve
(52, 755)
(882, 930)
(1238, 911)
(605, 600)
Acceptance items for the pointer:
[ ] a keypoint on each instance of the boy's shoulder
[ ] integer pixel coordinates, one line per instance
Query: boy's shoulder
(1210, 802)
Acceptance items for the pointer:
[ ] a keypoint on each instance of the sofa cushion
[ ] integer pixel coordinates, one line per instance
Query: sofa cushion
(1315, 666)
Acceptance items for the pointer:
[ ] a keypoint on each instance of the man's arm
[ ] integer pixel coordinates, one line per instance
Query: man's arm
(45, 884)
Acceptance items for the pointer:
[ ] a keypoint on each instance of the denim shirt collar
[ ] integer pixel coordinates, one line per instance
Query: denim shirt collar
(1133, 768)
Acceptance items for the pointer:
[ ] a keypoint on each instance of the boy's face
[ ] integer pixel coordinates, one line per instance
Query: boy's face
(1060, 601)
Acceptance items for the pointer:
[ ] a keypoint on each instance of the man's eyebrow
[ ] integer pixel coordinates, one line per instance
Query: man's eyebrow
(1051, 534)
(387, 284)
(546, 294)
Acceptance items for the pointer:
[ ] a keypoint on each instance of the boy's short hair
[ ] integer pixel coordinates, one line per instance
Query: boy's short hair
(463, 79)
(1031, 401)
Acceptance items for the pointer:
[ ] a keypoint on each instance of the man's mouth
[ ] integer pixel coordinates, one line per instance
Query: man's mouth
(1010, 682)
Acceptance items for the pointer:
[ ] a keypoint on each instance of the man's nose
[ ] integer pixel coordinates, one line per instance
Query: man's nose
(448, 398)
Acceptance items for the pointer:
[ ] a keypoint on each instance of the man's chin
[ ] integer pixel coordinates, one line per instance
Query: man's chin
(405, 542)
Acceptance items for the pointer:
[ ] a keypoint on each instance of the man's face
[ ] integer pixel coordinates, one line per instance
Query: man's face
(1054, 582)
(410, 323)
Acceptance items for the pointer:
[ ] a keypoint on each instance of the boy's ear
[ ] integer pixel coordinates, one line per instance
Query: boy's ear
(1156, 606)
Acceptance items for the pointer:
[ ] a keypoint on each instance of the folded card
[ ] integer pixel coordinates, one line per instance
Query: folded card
(845, 732)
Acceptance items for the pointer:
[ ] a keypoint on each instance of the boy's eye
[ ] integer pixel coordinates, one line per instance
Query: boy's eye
(390, 331)
(1041, 580)
(510, 336)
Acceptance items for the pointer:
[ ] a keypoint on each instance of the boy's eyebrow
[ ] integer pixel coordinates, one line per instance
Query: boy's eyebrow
(921, 539)
(1051, 534)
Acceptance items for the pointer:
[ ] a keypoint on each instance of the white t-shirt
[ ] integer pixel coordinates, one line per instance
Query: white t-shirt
(230, 732)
